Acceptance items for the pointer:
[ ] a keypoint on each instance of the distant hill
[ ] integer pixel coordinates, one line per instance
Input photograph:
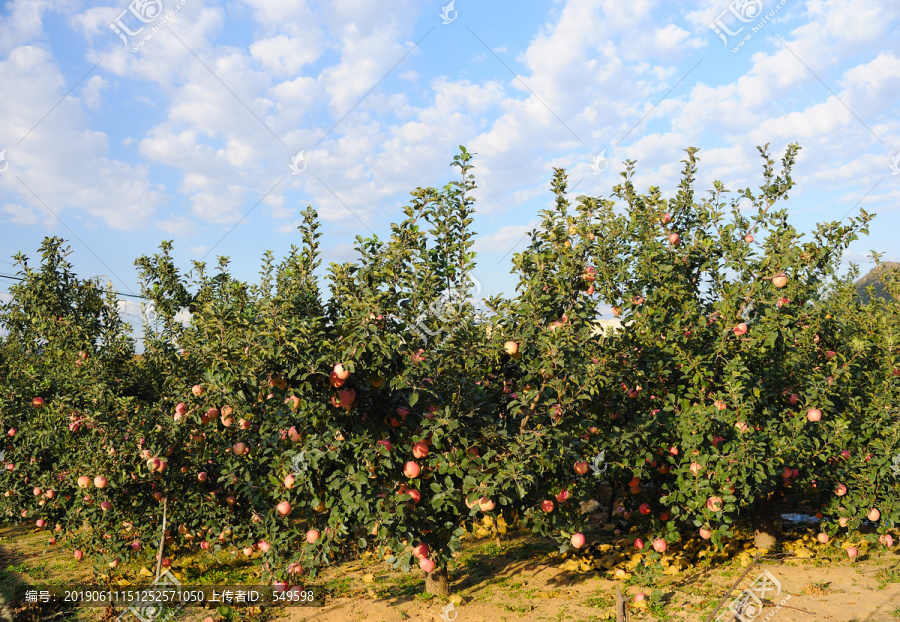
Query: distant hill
(875, 278)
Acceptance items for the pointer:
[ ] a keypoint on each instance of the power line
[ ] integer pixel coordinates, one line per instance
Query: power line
(18, 278)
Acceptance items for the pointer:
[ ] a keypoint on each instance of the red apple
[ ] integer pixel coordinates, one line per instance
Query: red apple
(705, 533)
(312, 535)
(37, 492)
(659, 545)
(84, 481)
(37, 402)
(420, 449)
(101, 482)
(562, 496)
(197, 390)
(486, 505)
(645, 509)
(78, 555)
(780, 280)
(239, 449)
(696, 467)
(886, 539)
(638, 544)
(511, 347)
(873, 515)
(12, 432)
(666, 219)
(823, 538)
(852, 552)
(204, 545)
(106, 505)
(386, 444)
(577, 540)
(346, 397)
(411, 469)
(674, 239)
(415, 494)
(841, 490)
(714, 504)
(740, 329)
(283, 508)
(547, 505)
(289, 481)
(581, 467)
(814, 414)
(748, 238)
(340, 372)
(421, 550)
(264, 546)
(201, 477)
(639, 597)
(426, 564)
(40, 522)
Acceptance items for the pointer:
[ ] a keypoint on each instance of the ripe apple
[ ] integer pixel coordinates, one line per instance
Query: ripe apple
(312, 535)
(823, 538)
(511, 347)
(201, 477)
(486, 505)
(37, 402)
(562, 496)
(696, 467)
(346, 397)
(426, 564)
(12, 432)
(37, 492)
(283, 508)
(411, 469)
(748, 238)
(581, 467)
(705, 533)
(577, 540)
(873, 515)
(659, 545)
(40, 522)
(639, 597)
(852, 552)
(780, 280)
(814, 414)
(289, 481)
(106, 505)
(841, 490)
(101, 482)
(666, 219)
(547, 505)
(740, 329)
(340, 372)
(415, 494)
(197, 390)
(674, 239)
(264, 546)
(886, 539)
(421, 550)
(714, 504)
(239, 449)
(638, 544)
(645, 509)
(420, 449)
(204, 545)
(78, 555)
(84, 481)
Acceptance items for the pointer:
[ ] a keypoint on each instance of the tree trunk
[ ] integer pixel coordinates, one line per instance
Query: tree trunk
(437, 582)
(764, 535)
(612, 502)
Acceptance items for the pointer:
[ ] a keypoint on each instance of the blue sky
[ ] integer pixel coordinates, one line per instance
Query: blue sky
(193, 131)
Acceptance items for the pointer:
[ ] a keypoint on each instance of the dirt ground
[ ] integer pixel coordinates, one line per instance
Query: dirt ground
(526, 579)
